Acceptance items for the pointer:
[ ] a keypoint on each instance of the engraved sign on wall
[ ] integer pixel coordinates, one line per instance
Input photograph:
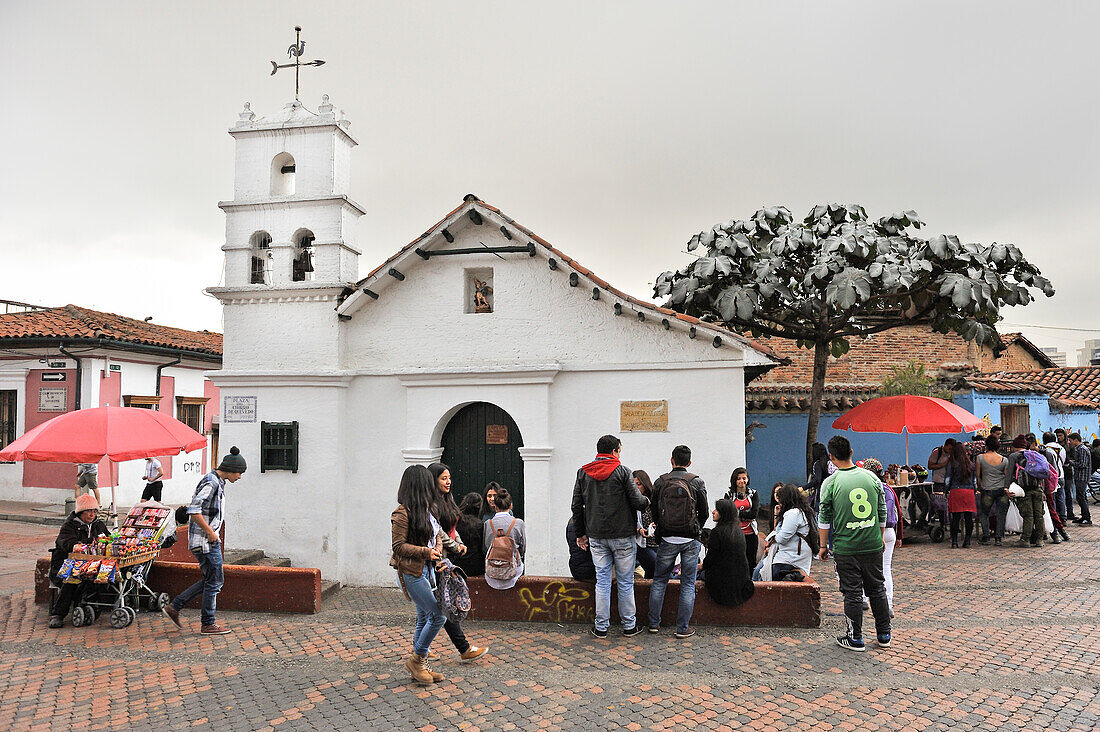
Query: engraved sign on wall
(651, 416)
(496, 434)
(52, 399)
(239, 409)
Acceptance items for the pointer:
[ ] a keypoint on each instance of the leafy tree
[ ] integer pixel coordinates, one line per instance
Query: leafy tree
(837, 274)
(911, 378)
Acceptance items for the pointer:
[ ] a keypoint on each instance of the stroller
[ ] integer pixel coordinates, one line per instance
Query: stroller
(938, 517)
(122, 592)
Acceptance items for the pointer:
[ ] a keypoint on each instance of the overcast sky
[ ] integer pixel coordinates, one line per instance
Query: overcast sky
(614, 130)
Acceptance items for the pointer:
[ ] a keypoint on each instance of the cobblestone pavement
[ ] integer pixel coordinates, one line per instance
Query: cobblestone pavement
(985, 638)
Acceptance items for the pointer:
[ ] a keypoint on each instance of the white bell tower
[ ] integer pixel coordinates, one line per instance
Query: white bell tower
(290, 223)
(290, 240)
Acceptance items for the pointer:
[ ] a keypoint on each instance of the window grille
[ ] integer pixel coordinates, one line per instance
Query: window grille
(278, 446)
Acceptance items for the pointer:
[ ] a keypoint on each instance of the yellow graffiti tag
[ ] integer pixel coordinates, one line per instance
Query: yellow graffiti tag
(556, 604)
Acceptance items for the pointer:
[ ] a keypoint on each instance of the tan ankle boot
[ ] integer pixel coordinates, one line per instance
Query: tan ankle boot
(436, 676)
(415, 666)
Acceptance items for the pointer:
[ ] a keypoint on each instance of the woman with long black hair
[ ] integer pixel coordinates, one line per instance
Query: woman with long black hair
(725, 566)
(960, 499)
(748, 504)
(647, 545)
(448, 514)
(416, 539)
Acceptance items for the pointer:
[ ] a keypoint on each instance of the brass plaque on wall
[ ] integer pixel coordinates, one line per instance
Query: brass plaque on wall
(643, 416)
(496, 434)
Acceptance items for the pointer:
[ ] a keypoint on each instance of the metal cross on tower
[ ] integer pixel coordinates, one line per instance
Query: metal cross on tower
(295, 52)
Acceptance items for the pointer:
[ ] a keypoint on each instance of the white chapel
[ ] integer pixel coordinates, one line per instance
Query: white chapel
(478, 344)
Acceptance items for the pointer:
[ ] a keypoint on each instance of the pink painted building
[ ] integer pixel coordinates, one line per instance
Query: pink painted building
(55, 360)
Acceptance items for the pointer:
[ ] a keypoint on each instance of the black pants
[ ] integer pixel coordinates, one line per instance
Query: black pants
(861, 574)
(152, 490)
(647, 558)
(752, 541)
(458, 638)
(968, 519)
(70, 595)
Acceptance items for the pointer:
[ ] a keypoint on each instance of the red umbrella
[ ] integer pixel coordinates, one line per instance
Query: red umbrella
(909, 414)
(117, 433)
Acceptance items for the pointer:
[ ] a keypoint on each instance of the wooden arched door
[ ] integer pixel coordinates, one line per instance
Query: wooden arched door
(480, 444)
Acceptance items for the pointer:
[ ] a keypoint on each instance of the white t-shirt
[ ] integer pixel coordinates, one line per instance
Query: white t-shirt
(152, 467)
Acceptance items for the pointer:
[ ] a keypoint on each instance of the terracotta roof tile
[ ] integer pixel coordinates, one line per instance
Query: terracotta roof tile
(1074, 385)
(72, 322)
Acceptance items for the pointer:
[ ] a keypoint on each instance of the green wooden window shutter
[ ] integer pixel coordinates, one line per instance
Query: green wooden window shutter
(279, 446)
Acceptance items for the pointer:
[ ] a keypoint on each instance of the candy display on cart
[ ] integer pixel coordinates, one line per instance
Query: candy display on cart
(121, 561)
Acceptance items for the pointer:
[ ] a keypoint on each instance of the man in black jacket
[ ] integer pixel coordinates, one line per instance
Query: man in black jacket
(81, 527)
(679, 510)
(605, 506)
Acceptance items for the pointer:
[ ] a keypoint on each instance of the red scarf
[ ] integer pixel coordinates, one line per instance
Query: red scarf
(602, 467)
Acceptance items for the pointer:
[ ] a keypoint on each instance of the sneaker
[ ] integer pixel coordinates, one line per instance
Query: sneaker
(883, 640)
(1085, 522)
(654, 629)
(172, 614)
(597, 632)
(997, 541)
(851, 644)
(1065, 536)
(685, 633)
(473, 653)
(631, 632)
(1078, 520)
(214, 629)
(56, 621)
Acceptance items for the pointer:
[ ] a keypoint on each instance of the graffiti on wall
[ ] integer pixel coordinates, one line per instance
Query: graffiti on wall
(557, 604)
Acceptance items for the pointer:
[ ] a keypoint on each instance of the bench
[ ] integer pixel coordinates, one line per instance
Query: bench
(565, 600)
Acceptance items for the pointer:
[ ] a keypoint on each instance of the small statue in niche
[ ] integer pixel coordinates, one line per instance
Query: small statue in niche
(482, 294)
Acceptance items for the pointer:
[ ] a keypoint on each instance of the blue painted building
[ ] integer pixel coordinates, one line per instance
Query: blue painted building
(1020, 401)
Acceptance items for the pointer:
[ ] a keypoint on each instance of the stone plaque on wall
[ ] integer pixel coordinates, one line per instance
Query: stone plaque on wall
(52, 399)
(239, 409)
(643, 416)
(496, 434)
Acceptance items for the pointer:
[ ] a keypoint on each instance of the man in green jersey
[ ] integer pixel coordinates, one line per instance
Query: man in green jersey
(853, 505)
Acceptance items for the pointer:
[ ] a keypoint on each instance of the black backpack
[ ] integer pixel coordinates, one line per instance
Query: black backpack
(676, 509)
(812, 538)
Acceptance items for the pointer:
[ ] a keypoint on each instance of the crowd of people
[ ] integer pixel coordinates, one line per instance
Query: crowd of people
(624, 524)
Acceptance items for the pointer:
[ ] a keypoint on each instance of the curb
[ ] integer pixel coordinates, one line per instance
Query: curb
(30, 519)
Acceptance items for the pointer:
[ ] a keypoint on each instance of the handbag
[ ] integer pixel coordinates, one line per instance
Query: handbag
(769, 559)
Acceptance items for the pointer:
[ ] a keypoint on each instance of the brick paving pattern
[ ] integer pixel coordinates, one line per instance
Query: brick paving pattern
(985, 638)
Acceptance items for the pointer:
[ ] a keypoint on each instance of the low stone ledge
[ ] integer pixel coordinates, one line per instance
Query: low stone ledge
(565, 600)
(247, 587)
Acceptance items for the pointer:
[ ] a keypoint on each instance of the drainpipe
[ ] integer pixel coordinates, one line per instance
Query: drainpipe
(163, 366)
(79, 370)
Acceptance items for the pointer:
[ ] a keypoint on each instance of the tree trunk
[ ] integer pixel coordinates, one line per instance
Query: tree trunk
(817, 394)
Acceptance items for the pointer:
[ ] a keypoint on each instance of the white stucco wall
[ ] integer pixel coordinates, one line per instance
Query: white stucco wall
(556, 360)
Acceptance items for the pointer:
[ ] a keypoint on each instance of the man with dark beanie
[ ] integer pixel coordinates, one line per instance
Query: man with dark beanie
(206, 512)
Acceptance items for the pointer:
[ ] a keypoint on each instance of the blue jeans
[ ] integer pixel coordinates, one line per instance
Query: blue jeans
(429, 618)
(209, 586)
(689, 565)
(621, 552)
(647, 558)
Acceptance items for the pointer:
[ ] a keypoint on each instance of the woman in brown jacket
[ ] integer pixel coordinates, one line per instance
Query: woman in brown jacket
(417, 542)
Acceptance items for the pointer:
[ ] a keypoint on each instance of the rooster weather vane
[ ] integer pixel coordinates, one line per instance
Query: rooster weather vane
(295, 52)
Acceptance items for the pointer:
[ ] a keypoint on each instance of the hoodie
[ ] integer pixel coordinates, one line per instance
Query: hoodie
(605, 500)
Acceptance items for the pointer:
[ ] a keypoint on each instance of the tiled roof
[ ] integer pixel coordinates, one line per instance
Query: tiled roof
(1074, 386)
(1019, 339)
(72, 322)
(796, 397)
(580, 269)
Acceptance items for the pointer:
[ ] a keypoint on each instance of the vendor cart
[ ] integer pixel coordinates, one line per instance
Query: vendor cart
(146, 530)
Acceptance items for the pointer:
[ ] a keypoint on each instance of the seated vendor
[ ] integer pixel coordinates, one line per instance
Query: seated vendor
(82, 527)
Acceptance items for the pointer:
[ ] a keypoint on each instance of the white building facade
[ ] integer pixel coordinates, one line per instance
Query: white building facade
(332, 385)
